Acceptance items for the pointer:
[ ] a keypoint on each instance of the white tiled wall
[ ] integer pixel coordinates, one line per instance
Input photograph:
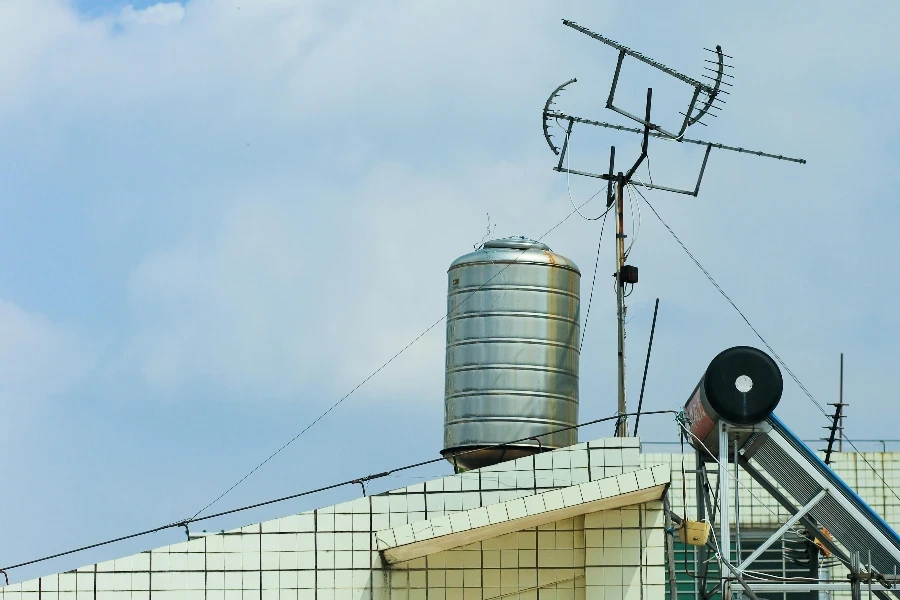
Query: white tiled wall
(330, 553)
(608, 555)
(759, 509)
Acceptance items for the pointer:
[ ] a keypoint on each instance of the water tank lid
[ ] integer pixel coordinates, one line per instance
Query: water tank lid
(516, 249)
(518, 242)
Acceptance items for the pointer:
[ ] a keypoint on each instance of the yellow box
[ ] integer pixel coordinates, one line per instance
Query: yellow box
(694, 533)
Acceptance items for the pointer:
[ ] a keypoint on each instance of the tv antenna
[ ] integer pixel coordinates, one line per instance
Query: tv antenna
(706, 97)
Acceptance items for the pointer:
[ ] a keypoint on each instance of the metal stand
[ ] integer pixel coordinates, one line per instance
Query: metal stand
(701, 551)
(724, 499)
(622, 427)
(732, 580)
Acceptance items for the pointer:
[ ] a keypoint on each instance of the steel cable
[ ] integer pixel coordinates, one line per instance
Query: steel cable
(389, 361)
(763, 340)
(355, 481)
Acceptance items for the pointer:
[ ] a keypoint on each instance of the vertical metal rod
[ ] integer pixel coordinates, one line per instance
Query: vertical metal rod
(737, 508)
(612, 88)
(562, 154)
(702, 169)
(724, 497)
(841, 402)
(609, 182)
(813, 566)
(870, 574)
(637, 418)
(855, 587)
(670, 548)
(824, 575)
(700, 551)
(622, 429)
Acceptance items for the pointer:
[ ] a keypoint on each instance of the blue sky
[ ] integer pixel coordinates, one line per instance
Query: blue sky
(220, 217)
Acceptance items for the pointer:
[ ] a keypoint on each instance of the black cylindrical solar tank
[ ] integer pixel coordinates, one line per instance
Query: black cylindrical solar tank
(727, 399)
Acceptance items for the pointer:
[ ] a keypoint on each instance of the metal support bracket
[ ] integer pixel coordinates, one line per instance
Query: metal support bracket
(783, 529)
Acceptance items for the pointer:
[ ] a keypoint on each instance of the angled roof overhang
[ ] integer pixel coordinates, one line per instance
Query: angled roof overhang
(422, 538)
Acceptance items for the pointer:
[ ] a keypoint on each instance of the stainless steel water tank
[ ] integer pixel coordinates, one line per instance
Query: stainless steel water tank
(512, 351)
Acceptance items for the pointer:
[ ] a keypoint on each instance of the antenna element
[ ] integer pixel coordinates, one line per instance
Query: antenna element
(705, 97)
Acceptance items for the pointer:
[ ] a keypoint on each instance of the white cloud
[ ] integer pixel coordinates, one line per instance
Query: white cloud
(279, 299)
(163, 13)
(243, 139)
(228, 308)
(39, 359)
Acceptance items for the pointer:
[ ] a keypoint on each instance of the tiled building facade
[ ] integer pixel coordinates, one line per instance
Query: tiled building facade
(584, 521)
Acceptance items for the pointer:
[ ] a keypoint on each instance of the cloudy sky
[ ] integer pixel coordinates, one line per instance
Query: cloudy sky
(219, 217)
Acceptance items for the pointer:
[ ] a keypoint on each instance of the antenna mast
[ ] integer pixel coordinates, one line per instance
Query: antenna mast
(705, 97)
(836, 430)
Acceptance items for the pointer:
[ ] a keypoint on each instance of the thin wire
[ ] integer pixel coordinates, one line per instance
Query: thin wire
(684, 477)
(728, 472)
(355, 481)
(569, 189)
(763, 340)
(389, 361)
(593, 280)
(634, 230)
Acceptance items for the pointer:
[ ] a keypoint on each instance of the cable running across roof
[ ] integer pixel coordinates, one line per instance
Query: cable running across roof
(763, 340)
(441, 459)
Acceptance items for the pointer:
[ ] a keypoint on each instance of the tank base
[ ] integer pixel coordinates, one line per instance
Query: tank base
(476, 457)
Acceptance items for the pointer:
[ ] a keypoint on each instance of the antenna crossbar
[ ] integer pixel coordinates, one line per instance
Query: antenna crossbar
(560, 115)
(636, 55)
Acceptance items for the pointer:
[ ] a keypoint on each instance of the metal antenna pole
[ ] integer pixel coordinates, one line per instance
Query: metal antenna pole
(841, 402)
(836, 430)
(622, 429)
(706, 97)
